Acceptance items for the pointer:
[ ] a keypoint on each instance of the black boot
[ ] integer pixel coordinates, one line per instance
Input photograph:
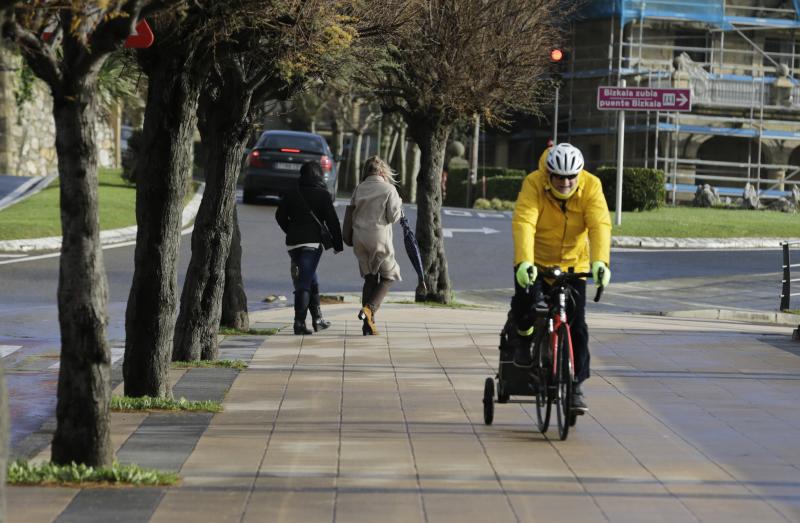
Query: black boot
(301, 300)
(578, 404)
(317, 321)
(522, 349)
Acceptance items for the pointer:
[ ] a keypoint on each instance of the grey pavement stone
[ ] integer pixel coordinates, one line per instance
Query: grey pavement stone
(204, 384)
(118, 505)
(164, 440)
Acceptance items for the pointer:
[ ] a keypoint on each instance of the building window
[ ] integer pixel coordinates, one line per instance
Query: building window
(773, 47)
(693, 43)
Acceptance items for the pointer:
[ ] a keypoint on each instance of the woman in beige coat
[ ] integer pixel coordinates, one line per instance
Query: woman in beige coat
(376, 206)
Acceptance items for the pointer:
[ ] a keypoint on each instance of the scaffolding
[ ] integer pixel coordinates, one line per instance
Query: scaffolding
(741, 61)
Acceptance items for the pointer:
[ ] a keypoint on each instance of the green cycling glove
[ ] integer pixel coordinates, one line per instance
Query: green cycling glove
(601, 278)
(524, 277)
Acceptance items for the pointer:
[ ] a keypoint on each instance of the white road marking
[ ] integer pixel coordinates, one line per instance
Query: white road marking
(456, 212)
(116, 354)
(24, 257)
(8, 350)
(448, 233)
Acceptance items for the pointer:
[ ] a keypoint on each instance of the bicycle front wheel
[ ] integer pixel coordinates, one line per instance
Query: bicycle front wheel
(543, 405)
(563, 383)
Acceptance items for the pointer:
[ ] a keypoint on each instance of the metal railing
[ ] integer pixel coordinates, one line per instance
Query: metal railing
(786, 288)
(733, 93)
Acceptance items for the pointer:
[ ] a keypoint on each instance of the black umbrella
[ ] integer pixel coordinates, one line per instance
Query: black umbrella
(412, 249)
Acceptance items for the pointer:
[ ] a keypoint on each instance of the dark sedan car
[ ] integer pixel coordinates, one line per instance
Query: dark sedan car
(273, 165)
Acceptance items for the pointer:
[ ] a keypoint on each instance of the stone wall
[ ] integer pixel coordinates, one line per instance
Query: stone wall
(27, 133)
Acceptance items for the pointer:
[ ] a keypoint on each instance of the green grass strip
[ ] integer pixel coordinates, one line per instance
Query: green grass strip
(206, 364)
(694, 222)
(125, 403)
(228, 331)
(23, 473)
(40, 215)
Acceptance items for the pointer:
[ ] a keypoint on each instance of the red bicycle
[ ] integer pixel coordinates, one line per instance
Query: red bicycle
(553, 360)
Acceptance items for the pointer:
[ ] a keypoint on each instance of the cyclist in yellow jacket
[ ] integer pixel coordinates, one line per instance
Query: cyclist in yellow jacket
(561, 219)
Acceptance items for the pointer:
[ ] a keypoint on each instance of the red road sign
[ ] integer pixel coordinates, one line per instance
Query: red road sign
(142, 37)
(610, 98)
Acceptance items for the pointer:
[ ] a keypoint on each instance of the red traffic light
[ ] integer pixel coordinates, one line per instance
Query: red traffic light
(556, 55)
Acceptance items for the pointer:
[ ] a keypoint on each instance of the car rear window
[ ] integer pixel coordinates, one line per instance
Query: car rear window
(283, 141)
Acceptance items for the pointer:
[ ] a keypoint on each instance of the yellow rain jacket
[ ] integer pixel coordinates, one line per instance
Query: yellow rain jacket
(566, 233)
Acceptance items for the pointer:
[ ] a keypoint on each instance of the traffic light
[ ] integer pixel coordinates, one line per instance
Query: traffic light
(558, 62)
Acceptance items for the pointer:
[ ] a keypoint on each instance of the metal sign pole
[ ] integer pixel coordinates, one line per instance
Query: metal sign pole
(620, 153)
(473, 168)
(555, 117)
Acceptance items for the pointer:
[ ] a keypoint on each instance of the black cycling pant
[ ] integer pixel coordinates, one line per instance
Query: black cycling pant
(524, 314)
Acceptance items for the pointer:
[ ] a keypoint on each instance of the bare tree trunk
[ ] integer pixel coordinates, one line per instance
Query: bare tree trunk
(379, 139)
(355, 152)
(337, 128)
(234, 299)
(224, 127)
(401, 165)
(432, 139)
(84, 377)
(413, 173)
(391, 148)
(162, 173)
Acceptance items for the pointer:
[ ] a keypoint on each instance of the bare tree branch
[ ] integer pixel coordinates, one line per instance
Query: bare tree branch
(41, 56)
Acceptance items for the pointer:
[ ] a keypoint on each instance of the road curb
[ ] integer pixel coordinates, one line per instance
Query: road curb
(644, 242)
(109, 237)
(772, 318)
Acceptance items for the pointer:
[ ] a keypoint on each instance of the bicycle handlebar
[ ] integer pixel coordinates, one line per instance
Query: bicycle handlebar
(561, 277)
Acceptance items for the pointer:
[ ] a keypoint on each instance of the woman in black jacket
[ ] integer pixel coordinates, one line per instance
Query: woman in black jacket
(303, 239)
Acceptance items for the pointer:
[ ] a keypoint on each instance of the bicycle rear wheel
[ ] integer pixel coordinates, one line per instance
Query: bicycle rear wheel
(543, 404)
(563, 384)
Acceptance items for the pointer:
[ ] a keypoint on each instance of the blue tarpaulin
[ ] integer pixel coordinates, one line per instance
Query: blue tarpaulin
(706, 11)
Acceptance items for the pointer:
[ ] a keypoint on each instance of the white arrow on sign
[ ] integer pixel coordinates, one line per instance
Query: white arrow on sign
(448, 233)
(682, 99)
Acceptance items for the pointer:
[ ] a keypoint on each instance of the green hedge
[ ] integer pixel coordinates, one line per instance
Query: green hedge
(503, 187)
(489, 172)
(500, 183)
(456, 188)
(642, 189)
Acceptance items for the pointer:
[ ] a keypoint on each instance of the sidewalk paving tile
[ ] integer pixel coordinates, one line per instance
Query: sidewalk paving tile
(37, 504)
(691, 420)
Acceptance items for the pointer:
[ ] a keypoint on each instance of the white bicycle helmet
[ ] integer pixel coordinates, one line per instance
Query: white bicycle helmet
(565, 160)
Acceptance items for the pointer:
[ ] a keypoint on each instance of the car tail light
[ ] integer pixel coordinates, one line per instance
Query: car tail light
(286, 150)
(326, 164)
(255, 159)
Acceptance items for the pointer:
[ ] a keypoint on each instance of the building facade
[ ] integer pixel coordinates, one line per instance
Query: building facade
(739, 58)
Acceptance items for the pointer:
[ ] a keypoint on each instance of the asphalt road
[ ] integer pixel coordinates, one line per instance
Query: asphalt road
(479, 251)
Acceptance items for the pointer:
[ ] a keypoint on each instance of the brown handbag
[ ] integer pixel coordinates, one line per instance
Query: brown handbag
(347, 226)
